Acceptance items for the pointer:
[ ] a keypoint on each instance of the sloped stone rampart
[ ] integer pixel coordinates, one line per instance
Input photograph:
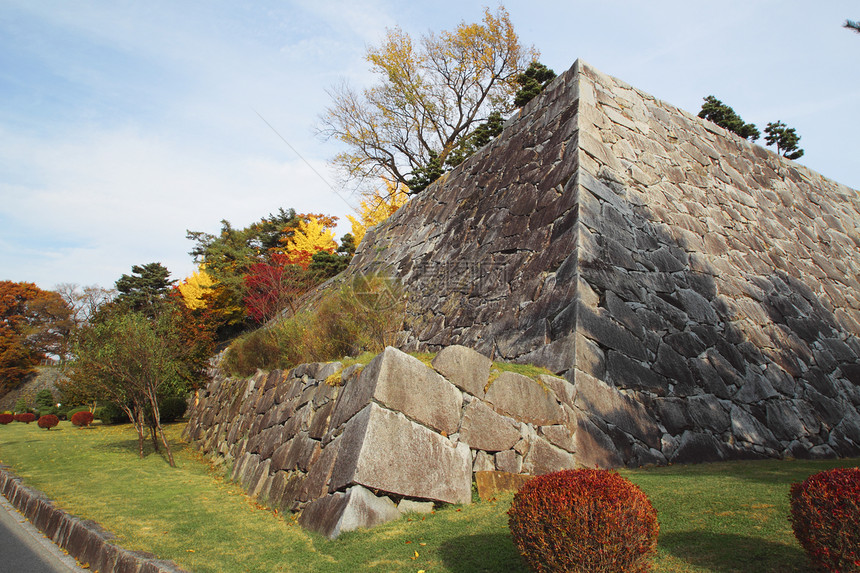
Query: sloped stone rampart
(610, 236)
(393, 433)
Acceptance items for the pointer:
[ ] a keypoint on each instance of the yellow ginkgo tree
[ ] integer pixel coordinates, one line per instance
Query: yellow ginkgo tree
(195, 287)
(377, 206)
(312, 235)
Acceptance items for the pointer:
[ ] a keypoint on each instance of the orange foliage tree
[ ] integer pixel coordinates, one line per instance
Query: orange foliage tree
(33, 323)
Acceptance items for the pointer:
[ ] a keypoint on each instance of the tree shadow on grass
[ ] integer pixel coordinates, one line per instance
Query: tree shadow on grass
(484, 553)
(130, 446)
(730, 553)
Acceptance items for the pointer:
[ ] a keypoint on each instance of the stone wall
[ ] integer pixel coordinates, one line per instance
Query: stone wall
(352, 447)
(699, 291)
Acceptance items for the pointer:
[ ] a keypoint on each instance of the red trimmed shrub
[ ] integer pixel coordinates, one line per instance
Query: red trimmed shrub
(6, 419)
(82, 419)
(584, 521)
(48, 421)
(825, 516)
(26, 417)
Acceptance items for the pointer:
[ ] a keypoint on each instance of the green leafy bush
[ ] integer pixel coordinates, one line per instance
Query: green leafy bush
(6, 418)
(110, 413)
(363, 314)
(48, 421)
(584, 520)
(172, 408)
(825, 516)
(83, 418)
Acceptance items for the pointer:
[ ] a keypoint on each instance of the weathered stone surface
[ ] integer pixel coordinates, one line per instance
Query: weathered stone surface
(697, 447)
(523, 398)
(341, 512)
(600, 399)
(593, 447)
(404, 384)
(509, 461)
(411, 506)
(383, 450)
(464, 368)
(543, 458)
(484, 429)
(491, 484)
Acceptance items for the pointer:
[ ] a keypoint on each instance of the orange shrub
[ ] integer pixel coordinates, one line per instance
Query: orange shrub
(6, 419)
(26, 417)
(83, 418)
(825, 516)
(583, 521)
(48, 421)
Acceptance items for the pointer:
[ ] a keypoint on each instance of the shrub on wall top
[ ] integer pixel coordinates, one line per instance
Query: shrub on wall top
(48, 421)
(583, 521)
(825, 517)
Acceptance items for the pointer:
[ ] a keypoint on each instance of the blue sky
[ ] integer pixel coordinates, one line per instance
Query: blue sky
(123, 124)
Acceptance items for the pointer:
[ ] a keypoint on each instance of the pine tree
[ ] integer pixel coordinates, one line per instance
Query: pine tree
(785, 139)
(536, 77)
(716, 111)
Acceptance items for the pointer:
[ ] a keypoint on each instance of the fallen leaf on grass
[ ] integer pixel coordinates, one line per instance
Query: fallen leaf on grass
(414, 557)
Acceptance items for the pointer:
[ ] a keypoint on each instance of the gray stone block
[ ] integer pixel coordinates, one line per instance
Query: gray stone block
(402, 383)
(465, 368)
(340, 512)
(525, 399)
(385, 451)
(484, 429)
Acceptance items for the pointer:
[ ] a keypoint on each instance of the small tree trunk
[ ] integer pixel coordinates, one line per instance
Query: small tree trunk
(156, 416)
(138, 425)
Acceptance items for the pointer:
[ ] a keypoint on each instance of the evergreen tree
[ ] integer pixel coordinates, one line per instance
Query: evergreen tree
(785, 139)
(145, 288)
(852, 25)
(485, 133)
(716, 111)
(536, 77)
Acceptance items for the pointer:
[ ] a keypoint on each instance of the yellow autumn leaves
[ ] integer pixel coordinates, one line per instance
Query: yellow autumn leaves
(377, 206)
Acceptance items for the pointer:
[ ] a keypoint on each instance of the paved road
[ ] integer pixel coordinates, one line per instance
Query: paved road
(23, 548)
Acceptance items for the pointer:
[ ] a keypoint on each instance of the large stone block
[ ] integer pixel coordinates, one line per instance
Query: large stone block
(346, 511)
(524, 399)
(465, 368)
(402, 383)
(383, 450)
(599, 399)
(543, 458)
(594, 449)
(484, 429)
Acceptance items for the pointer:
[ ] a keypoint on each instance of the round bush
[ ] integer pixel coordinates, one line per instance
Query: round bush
(6, 418)
(825, 516)
(583, 521)
(48, 421)
(172, 408)
(111, 414)
(26, 417)
(83, 418)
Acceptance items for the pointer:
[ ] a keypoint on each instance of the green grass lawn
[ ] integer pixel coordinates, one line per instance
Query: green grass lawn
(720, 518)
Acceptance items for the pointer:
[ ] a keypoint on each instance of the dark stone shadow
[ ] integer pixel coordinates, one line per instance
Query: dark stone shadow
(730, 553)
(484, 553)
